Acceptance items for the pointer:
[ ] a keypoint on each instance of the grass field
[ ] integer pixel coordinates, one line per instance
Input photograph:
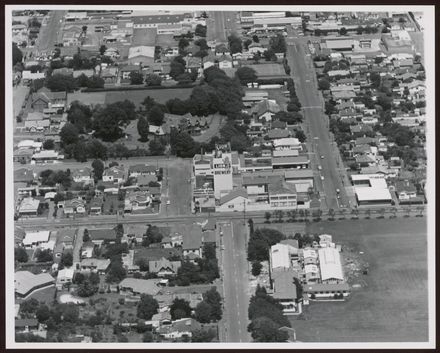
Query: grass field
(177, 189)
(137, 97)
(392, 304)
(144, 36)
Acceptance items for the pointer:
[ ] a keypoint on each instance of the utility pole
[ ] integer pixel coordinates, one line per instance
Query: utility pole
(244, 213)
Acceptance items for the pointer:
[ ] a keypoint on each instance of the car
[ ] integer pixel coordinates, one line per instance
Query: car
(338, 197)
(338, 191)
(322, 177)
(322, 157)
(168, 202)
(319, 167)
(223, 247)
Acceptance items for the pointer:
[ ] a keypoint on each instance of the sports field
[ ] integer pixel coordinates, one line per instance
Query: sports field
(392, 305)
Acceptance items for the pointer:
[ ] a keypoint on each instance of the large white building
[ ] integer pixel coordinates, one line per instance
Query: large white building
(371, 189)
(330, 266)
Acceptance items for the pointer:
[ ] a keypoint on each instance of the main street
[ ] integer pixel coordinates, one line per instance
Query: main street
(50, 33)
(325, 149)
(221, 24)
(235, 279)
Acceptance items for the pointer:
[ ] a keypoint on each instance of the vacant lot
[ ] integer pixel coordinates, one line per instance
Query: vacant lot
(285, 228)
(92, 98)
(392, 304)
(137, 97)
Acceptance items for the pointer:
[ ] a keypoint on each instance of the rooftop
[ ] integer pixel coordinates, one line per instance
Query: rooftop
(142, 286)
(25, 281)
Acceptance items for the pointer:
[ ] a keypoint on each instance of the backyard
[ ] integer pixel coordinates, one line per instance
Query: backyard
(391, 305)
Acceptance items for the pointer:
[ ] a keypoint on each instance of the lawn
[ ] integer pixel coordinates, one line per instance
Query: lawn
(391, 305)
(138, 96)
(165, 41)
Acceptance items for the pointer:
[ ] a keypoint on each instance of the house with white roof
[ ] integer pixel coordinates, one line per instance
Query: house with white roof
(64, 277)
(33, 240)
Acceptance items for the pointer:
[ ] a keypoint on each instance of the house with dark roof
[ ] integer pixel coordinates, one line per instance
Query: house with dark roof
(141, 169)
(164, 267)
(265, 109)
(274, 134)
(192, 241)
(95, 206)
(101, 235)
(115, 174)
(405, 190)
(44, 99)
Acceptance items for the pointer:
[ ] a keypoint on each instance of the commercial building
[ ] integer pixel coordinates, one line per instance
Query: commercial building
(153, 21)
(141, 55)
(330, 266)
(371, 189)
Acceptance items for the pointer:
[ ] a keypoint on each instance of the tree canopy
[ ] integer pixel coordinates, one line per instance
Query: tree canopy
(246, 75)
(147, 307)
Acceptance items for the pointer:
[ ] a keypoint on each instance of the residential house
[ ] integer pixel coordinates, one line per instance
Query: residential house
(101, 235)
(64, 277)
(74, 206)
(109, 74)
(179, 329)
(29, 207)
(127, 70)
(137, 287)
(284, 289)
(209, 60)
(30, 326)
(28, 76)
(32, 240)
(164, 267)
(82, 175)
(225, 62)
(192, 242)
(67, 237)
(265, 109)
(222, 49)
(141, 169)
(87, 250)
(115, 174)
(136, 201)
(405, 190)
(96, 204)
(44, 99)
(99, 266)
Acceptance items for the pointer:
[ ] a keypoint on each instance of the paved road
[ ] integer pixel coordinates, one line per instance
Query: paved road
(235, 280)
(220, 25)
(51, 32)
(304, 77)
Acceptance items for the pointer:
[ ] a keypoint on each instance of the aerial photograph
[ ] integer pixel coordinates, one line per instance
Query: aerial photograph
(219, 177)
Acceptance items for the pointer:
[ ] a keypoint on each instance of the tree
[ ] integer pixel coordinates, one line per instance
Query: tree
(214, 299)
(153, 80)
(116, 271)
(261, 241)
(156, 147)
(69, 134)
(17, 55)
(246, 75)
(148, 103)
(44, 256)
(61, 83)
(184, 78)
(331, 213)
(20, 254)
(278, 43)
(49, 144)
(156, 116)
(267, 215)
(43, 313)
(323, 84)
(102, 49)
(343, 31)
(98, 169)
(107, 122)
(95, 149)
(265, 330)
(183, 43)
(180, 309)
(87, 288)
(256, 268)
(203, 312)
(136, 78)
(67, 259)
(235, 45)
(148, 337)
(143, 129)
(176, 69)
(255, 38)
(300, 135)
(184, 145)
(29, 306)
(200, 30)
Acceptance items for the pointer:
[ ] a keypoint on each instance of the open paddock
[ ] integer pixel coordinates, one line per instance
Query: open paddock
(392, 304)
